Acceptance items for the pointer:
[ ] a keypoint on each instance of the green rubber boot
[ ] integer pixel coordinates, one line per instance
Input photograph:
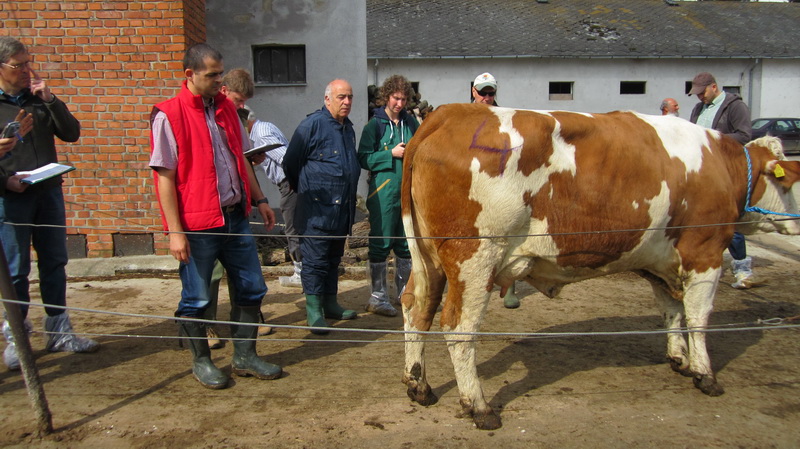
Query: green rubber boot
(315, 314)
(510, 300)
(202, 366)
(334, 311)
(246, 361)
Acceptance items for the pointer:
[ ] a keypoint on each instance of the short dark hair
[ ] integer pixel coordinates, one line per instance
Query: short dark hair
(239, 81)
(10, 47)
(195, 55)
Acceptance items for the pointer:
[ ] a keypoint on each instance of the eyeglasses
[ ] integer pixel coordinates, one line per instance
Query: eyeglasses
(25, 64)
(487, 94)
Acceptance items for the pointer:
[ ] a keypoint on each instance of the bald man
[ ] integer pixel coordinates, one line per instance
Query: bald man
(322, 167)
(669, 107)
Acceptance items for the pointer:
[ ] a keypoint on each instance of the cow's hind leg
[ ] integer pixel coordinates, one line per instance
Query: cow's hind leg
(673, 313)
(420, 302)
(698, 303)
(475, 297)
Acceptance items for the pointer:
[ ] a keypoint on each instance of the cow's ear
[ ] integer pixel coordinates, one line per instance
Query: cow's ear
(785, 172)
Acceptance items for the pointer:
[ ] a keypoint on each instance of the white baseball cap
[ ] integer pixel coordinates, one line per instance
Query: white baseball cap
(484, 80)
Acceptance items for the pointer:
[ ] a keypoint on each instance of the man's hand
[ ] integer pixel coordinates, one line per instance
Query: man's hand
(7, 145)
(179, 247)
(258, 159)
(14, 183)
(25, 122)
(268, 215)
(39, 88)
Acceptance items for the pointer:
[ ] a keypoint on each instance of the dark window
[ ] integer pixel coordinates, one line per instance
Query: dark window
(733, 89)
(279, 64)
(632, 87)
(561, 90)
(687, 87)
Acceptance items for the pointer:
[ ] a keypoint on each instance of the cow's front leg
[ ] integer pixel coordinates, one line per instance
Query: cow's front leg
(418, 313)
(698, 303)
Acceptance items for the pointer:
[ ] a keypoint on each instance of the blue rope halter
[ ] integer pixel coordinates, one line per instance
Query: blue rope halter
(747, 206)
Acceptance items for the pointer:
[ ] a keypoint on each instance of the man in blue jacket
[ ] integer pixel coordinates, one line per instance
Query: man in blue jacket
(322, 167)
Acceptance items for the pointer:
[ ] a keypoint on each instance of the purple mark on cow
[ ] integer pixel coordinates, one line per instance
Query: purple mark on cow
(503, 151)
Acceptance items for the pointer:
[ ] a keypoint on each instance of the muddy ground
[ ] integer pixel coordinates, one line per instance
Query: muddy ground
(344, 390)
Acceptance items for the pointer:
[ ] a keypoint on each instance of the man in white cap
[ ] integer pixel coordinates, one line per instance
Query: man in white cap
(484, 89)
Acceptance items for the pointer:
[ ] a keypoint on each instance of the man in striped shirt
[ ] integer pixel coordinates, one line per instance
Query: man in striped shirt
(265, 133)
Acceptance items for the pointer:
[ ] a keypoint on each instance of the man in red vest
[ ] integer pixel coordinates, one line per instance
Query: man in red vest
(205, 189)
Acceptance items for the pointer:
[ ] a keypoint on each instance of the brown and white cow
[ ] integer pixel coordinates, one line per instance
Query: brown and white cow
(574, 196)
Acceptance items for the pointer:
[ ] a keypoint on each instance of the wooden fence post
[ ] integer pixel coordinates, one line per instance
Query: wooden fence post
(30, 372)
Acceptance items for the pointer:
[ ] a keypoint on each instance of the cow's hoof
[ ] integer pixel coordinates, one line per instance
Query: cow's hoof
(487, 420)
(677, 365)
(708, 385)
(422, 396)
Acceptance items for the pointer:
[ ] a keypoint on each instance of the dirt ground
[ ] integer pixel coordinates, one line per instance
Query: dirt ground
(344, 391)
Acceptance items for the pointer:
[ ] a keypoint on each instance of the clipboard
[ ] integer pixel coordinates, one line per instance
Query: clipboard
(44, 173)
(262, 149)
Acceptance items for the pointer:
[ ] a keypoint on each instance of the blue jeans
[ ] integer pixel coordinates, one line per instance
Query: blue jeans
(39, 207)
(738, 248)
(237, 253)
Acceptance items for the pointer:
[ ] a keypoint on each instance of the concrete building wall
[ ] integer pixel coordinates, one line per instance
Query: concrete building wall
(524, 83)
(780, 89)
(334, 33)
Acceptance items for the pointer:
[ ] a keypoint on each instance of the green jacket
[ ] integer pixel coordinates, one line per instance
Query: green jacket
(375, 152)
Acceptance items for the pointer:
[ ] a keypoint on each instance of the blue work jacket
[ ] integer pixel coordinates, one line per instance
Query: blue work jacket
(322, 167)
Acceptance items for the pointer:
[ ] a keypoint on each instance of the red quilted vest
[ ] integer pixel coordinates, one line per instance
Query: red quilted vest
(196, 177)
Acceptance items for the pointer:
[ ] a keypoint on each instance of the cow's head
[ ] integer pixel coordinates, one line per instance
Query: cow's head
(774, 193)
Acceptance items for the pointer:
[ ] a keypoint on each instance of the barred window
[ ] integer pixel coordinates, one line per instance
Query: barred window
(279, 64)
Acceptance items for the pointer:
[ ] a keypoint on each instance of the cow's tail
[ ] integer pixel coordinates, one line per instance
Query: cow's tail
(422, 250)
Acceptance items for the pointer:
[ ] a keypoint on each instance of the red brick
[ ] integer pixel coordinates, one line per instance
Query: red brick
(94, 57)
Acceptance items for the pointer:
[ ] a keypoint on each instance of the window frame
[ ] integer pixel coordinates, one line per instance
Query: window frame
(298, 63)
(561, 96)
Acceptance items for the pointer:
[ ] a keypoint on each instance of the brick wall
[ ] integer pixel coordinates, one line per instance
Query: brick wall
(110, 61)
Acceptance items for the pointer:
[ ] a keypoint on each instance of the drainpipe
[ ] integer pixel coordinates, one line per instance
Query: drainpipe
(375, 71)
(750, 86)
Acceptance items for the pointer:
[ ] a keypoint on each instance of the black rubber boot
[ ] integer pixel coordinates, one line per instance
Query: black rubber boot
(246, 361)
(315, 314)
(202, 366)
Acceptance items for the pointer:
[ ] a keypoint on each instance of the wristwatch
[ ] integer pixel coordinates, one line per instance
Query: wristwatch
(261, 201)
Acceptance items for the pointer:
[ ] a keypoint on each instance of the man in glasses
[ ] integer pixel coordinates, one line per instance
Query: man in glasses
(484, 89)
(41, 204)
(204, 183)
